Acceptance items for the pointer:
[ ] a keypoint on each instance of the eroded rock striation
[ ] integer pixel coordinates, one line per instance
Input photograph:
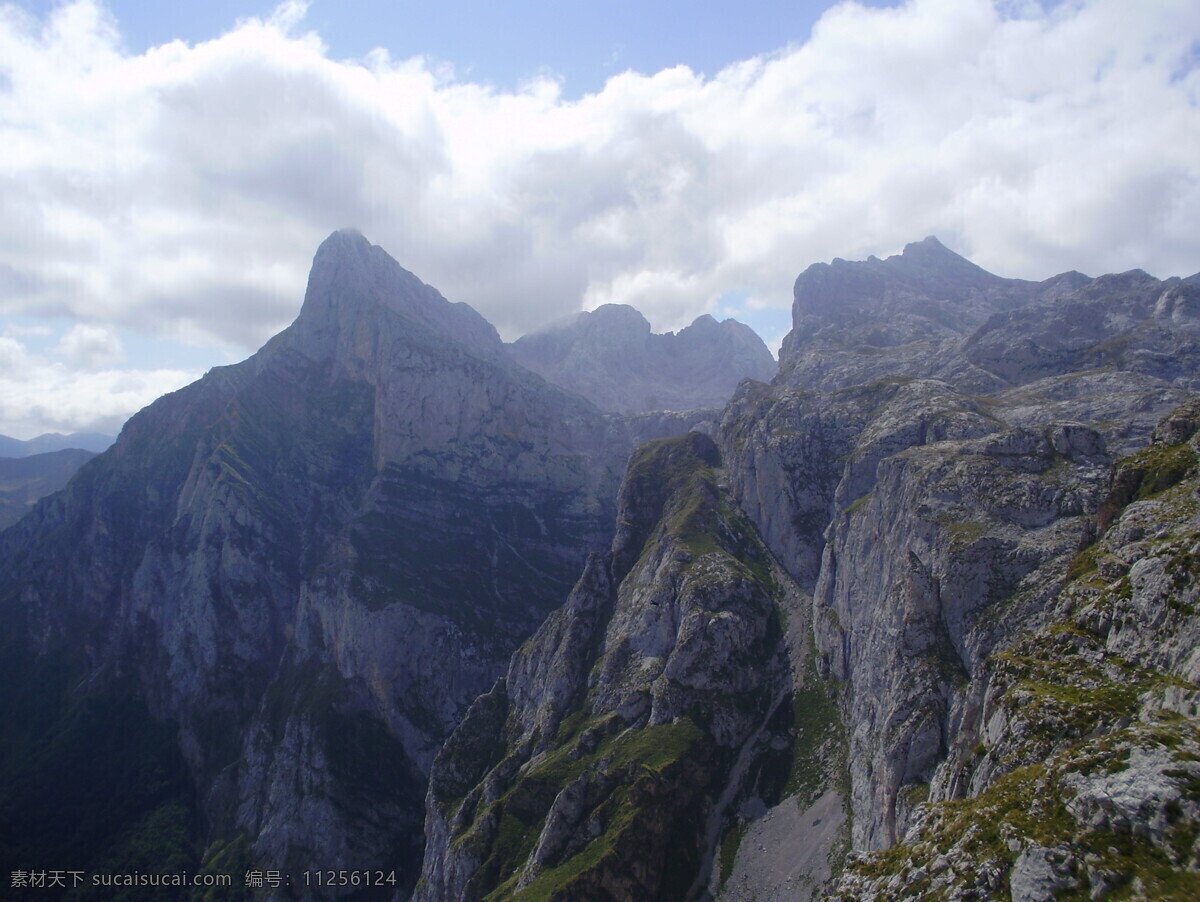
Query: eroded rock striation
(1072, 766)
(931, 493)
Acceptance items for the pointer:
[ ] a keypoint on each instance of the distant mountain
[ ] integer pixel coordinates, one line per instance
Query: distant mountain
(23, 480)
(95, 442)
(611, 357)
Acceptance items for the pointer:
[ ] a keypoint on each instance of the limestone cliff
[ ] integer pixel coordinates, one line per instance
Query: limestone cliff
(1071, 770)
(927, 490)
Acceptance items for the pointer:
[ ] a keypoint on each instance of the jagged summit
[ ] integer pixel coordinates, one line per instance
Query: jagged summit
(853, 321)
(925, 267)
(352, 281)
(605, 318)
(611, 357)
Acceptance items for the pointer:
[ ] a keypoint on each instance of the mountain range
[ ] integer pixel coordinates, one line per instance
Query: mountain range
(23, 480)
(94, 442)
(610, 356)
(914, 619)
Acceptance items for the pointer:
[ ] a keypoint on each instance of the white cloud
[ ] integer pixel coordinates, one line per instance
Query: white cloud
(184, 190)
(40, 394)
(87, 347)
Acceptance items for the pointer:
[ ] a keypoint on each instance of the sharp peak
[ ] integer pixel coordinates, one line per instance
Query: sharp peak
(927, 247)
(342, 240)
(929, 242)
(352, 278)
(930, 253)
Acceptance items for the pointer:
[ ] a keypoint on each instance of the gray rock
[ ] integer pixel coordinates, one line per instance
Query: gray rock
(611, 357)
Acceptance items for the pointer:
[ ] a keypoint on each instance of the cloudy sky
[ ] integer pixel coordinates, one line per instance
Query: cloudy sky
(167, 170)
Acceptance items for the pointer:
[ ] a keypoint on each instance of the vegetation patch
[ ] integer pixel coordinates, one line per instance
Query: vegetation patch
(633, 755)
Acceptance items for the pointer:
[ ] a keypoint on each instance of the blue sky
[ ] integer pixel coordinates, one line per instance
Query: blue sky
(504, 44)
(169, 169)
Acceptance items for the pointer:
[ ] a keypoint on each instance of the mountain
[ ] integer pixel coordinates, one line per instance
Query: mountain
(988, 683)
(285, 582)
(916, 619)
(54, 441)
(604, 763)
(23, 480)
(611, 357)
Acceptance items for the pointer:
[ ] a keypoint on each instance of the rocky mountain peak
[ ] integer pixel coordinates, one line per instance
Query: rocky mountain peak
(616, 318)
(925, 268)
(857, 321)
(354, 285)
(706, 321)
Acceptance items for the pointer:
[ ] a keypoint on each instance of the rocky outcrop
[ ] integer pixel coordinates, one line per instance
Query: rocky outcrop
(1072, 767)
(610, 760)
(611, 357)
(310, 563)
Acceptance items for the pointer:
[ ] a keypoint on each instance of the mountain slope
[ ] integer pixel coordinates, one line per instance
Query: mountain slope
(929, 482)
(23, 480)
(927, 596)
(925, 494)
(1084, 731)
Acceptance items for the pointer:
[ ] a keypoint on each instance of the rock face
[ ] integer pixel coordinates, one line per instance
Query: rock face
(611, 357)
(1074, 745)
(613, 755)
(306, 565)
(936, 450)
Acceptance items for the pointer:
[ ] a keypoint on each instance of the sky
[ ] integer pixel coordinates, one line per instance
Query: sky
(168, 170)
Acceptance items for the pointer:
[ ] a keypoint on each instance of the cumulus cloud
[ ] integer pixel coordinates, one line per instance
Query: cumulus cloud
(90, 347)
(183, 190)
(76, 387)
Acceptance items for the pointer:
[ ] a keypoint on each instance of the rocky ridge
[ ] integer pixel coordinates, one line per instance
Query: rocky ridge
(610, 356)
(938, 444)
(1074, 769)
(613, 755)
(920, 503)
(23, 480)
